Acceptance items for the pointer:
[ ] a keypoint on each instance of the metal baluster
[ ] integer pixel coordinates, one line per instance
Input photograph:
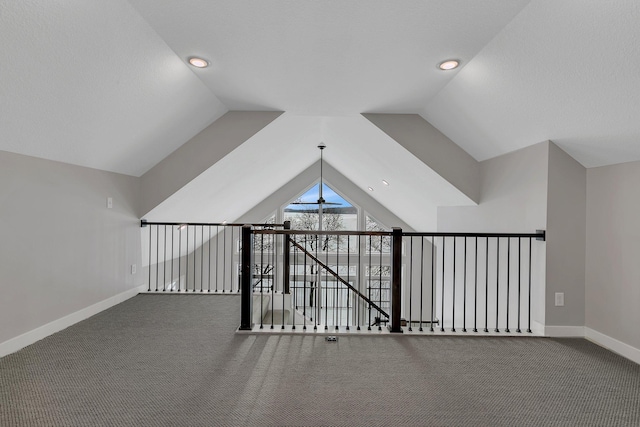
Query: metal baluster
(232, 251)
(369, 284)
(317, 292)
(380, 286)
(497, 281)
(224, 258)
(261, 279)
(186, 273)
(201, 258)
(326, 285)
(337, 300)
(217, 253)
(486, 289)
(410, 280)
(272, 280)
(360, 281)
(180, 259)
(475, 289)
(295, 284)
(195, 247)
(304, 293)
(276, 268)
(348, 277)
(433, 280)
(464, 289)
(443, 256)
(172, 257)
(453, 302)
(519, 281)
(209, 260)
(529, 314)
(508, 279)
(157, 254)
(149, 268)
(164, 260)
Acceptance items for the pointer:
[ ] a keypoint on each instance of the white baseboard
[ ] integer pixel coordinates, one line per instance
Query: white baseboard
(564, 331)
(537, 328)
(613, 344)
(28, 338)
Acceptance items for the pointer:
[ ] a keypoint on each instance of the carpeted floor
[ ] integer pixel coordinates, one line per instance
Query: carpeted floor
(158, 360)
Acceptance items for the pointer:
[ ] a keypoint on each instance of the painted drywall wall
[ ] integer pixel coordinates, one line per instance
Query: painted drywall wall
(335, 180)
(566, 234)
(433, 148)
(613, 251)
(513, 195)
(61, 248)
(513, 200)
(200, 153)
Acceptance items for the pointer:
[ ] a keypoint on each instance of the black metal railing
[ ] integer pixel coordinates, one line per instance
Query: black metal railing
(466, 282)
(470, 281)
(333, 279)
(193, 257)
(339, 294)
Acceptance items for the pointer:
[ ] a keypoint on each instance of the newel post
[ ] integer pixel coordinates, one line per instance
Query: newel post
(246, 296)
(396, 279)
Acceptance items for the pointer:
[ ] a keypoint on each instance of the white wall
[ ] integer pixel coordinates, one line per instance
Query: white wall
(61, 249)
(433, 148)
(566, 230)
(513, 199)
(198, 154)
(513, 195)
(613, 252)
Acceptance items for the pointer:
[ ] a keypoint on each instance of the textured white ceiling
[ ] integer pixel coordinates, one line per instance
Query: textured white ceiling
(565, 71)
(105, 84)
(288, 146)
(327, 57)
(91, 83)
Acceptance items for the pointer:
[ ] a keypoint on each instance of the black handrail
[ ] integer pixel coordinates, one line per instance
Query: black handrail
(144, 223)
(539, 235)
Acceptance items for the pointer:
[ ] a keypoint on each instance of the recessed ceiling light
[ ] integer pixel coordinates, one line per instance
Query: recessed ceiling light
(198, 62)
(449, 64)
(370, 188)
(385, 182)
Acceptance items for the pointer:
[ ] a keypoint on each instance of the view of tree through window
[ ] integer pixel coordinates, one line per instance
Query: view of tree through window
(338, 215)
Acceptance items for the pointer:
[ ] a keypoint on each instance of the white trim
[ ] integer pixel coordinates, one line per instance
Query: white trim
(613, 344)
(564, 331)
(28, 338)
(537, 328)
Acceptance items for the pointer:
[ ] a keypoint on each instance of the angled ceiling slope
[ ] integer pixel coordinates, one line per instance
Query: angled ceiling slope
(199, 154)
(75, 89)
(565, 71)
(327, 57)
(280, 151)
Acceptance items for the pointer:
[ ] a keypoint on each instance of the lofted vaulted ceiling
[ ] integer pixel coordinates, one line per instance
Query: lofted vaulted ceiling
(107, 84)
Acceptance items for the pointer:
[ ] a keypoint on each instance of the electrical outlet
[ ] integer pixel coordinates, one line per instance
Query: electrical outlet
(559, 299)
(133, 269)
(109, 202)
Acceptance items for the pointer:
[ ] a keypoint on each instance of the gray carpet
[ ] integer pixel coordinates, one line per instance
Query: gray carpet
(160, 360)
